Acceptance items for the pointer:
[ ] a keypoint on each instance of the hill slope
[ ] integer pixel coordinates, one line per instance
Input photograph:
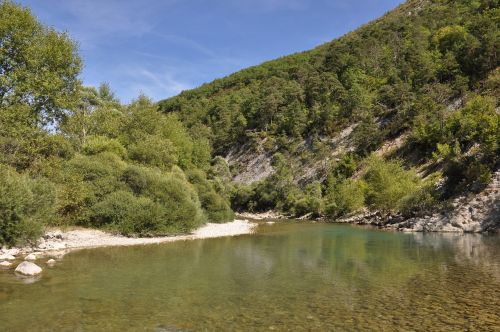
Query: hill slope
(405, 107)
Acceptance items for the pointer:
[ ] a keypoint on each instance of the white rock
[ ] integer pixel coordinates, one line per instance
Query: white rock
(28, 269)
(30, 257)
(13, 252)
(5, 263)
(7, 257)
(51, 261)
(270, 222)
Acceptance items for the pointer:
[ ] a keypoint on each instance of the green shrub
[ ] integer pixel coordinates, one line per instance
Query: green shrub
(215, 206)
(241, 196)
(345, 197)
(98, 144)
(25, 205)
(136, 178)
(420, 203)
(388, 183)
(84, 181)
(178, 197)
(58, 146)
(154, 151)
(313, 199)
(131, 215)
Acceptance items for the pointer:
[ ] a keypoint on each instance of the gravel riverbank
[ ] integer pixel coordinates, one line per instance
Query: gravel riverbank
(59, 242)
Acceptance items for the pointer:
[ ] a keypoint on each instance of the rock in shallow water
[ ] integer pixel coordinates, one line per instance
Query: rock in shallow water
(51, 261)
(30, 257)
(5, 264)
(29, 269)
(7, 257)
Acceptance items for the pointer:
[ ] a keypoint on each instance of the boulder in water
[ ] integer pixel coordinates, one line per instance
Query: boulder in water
(7, 257)
(28, 269)
(30, 257)
(5, 264)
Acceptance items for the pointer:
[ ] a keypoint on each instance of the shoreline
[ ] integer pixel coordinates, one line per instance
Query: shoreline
(57, 243)
(270, 215)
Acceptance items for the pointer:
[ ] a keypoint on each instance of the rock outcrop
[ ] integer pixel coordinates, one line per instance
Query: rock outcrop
(477, 214)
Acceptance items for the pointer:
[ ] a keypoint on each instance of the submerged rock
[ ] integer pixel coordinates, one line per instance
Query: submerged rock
(28, 269)
(5, 264)
(51, 261)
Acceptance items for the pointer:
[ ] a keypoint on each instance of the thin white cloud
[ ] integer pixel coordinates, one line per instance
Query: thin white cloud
(187, 42)
(155, 84)
(166, 82)
(92, 21)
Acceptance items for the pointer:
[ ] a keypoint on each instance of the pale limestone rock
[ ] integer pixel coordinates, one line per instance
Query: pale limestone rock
(5, 264)
(7, 257)
(28, 269)
(30, 257)
(13, 251)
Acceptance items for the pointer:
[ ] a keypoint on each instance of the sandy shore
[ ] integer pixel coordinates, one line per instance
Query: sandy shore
(58, 242)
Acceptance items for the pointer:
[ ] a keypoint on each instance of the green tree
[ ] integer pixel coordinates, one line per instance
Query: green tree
(38, 65)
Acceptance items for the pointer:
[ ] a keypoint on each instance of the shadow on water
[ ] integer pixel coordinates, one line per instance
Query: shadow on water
(289, 275)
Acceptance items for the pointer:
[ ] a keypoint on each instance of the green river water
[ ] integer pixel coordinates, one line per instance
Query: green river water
(287, 277)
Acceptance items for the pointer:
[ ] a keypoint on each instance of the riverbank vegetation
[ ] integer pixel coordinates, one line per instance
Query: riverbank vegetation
(75, 155)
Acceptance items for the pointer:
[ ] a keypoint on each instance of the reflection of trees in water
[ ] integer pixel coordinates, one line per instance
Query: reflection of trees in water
(324, 277)
(482, 250)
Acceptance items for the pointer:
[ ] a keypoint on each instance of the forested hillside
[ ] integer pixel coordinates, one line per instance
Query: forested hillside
(400, 116)
(73, 155)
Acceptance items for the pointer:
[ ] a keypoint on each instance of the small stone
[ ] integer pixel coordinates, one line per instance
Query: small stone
(7, 257)
(5, 264)
(51, 261)
(28, 269)
(30, 257)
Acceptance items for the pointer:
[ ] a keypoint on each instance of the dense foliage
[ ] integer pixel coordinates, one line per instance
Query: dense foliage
(427, 70)
(73, 155)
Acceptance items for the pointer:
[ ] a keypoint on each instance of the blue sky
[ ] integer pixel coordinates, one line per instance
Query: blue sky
(161, 47)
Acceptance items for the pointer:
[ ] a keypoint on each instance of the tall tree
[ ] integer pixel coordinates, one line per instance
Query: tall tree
(39, 66)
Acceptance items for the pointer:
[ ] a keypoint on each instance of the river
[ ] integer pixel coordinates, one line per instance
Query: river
(289, 276)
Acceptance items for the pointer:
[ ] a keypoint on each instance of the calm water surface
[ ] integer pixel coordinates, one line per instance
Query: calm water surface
(289, 276)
